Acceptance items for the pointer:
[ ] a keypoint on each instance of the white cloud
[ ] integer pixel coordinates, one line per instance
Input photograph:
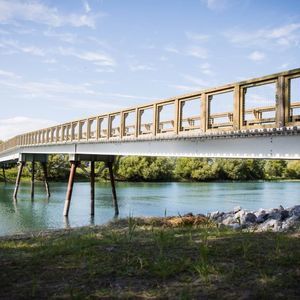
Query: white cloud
(257, 56)
(198, 52)
(199, 82)
(197, 36)
(185, 88)
(62, 36)
(206, 69)
(97, 58)
(171, 49)
(286, 35)
(18, 125)
(34, 11)
(14, 47)
(140, 67)
(86, 6)
(215, 4)
(7, 74)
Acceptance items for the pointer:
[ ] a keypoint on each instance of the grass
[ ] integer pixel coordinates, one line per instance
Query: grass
(151, 259)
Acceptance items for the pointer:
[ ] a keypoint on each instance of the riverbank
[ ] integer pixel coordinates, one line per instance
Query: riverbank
(151, 258)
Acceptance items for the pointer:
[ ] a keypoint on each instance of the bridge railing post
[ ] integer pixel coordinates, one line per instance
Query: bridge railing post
(237, 108)
(203, 113)
(280, 102)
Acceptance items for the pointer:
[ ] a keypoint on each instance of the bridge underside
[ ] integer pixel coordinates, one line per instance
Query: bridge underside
(272, 145)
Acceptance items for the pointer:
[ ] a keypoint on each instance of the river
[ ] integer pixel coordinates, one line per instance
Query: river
(135, 199)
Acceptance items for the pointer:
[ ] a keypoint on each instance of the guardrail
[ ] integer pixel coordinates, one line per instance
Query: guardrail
(150, 119)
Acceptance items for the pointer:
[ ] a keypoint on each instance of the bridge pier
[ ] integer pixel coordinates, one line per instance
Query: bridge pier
(33, 158)
(4, 175)
(113, 188)
(73, 168)
(32, 179)
(44, 167)
(18, 179)
(75, 160)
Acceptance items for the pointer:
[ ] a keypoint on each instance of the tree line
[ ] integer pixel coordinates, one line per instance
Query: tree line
(136, 168)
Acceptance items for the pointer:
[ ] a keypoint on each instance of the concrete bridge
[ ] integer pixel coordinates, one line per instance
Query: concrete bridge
(256, 118)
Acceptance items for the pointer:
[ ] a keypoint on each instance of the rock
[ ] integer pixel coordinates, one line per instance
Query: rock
(284, 214)
(240, 214)
(270, 225)
(214, 215)
(281, 207)
(250, 217)
(229, 220)
(201, 215)
(235, 226)
(236, 209)
(295, 211)
(188, 215)
(262, 217)
(291, 223)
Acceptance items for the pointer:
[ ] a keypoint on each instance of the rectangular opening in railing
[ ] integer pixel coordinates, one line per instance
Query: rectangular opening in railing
(189, 114)
(165, 117)
(83, 130)
(129, 123)
(220, 110)
(259, 104)
(75, 131)
(102, 127)
(145, 120)
(92, 128)
(115, 124)
(294, 112)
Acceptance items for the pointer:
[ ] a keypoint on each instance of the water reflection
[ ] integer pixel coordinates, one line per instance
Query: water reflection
(137, 199)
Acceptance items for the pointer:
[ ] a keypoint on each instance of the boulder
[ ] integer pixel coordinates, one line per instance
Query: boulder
(270, 225)
(262, 217)
(250, 218)
(236, 209)
(291, 223)
(295, 211)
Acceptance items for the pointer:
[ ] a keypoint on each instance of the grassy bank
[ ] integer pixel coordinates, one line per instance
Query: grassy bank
(150, 259)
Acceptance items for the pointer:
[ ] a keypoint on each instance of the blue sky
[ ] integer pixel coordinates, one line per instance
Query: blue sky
(63, 60)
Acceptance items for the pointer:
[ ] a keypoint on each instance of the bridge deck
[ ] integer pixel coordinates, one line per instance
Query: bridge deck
(234, 111)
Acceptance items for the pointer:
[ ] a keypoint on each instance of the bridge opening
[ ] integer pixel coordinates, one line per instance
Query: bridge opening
(82, 130)
(294, 100)
(259, 104)
(115, 122)
(166, 113)
(103, 125)
(220, 109)
(129, 123)
(92, 129)
(190, 110)
(146, 121)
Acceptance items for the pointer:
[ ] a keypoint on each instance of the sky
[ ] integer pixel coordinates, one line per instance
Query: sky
(65, 60)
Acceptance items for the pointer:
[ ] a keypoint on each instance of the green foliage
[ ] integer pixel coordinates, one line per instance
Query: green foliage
(293, 170)
(275, 168)
(239, 169)
(134, 168)
(197, 169)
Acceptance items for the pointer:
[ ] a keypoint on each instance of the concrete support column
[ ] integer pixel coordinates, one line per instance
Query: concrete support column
(44, 167)
(18, 179)
(92, 179)
(32, 179)
(113, 188)
(74, 165)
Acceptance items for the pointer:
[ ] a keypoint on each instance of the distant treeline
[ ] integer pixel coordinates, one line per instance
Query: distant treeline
(135, 168)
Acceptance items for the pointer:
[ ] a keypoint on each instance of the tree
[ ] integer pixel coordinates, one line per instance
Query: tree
(239, 169)
(200, 169)
(293, 169)
(275, 168)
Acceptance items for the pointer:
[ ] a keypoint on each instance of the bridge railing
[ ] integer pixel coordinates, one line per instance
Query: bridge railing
(230, 107)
